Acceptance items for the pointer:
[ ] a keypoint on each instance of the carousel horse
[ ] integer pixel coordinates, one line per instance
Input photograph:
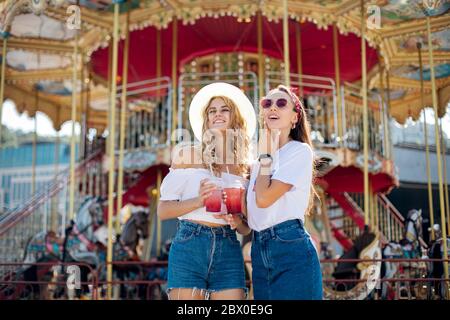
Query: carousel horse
(46, 246)
(42, 247)
(125, 249)
(413, 232)
(80, 242)
(366, 246)
(408, 248)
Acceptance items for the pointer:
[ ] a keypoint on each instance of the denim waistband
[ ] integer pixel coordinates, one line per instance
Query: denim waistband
(200, 228)
(271, 232)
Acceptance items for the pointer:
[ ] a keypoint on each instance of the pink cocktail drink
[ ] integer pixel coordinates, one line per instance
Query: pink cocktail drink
(214, 201)
(233, 199)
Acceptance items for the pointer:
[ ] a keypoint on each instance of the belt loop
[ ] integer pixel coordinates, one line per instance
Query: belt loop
(272, 232)
(224, 230)
(198, 229)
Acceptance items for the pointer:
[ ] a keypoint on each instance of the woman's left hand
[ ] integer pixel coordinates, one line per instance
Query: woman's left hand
(234, 220)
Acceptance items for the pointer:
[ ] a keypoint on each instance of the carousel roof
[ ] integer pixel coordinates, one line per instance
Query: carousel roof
(40, 45)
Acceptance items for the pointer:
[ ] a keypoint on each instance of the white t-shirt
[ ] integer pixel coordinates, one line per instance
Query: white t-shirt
(292, 164)
(183, 184)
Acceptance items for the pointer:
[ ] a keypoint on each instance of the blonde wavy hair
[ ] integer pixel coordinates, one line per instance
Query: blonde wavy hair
(240, 144)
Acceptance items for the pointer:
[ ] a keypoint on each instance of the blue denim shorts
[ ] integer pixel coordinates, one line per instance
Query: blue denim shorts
(205, 258)
(285, 264)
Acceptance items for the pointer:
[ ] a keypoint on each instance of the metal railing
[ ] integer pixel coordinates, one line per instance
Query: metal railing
(47, 209)
(384, 216)
(45, 281)
(405, 279)
(379, 140)
(340, 220)
(148, 123)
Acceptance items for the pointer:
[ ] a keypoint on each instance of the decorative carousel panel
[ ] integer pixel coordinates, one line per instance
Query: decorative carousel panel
(397, 11)
(54, 87)
(94, 4)
(25, 60)
(31, 25)
(440, 41)
(413, 72)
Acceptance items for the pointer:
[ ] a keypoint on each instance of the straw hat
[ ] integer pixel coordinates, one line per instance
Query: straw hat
(202, 97)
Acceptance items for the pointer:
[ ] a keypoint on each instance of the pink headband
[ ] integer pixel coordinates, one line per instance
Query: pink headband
(292, 92)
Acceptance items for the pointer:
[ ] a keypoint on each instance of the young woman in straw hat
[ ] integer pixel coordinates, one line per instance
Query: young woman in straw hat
(205, 259)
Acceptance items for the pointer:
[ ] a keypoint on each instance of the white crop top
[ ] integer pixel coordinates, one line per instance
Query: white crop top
(183, 184)
(292, 164)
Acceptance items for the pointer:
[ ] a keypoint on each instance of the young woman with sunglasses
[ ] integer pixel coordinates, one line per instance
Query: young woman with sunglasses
(284, 260)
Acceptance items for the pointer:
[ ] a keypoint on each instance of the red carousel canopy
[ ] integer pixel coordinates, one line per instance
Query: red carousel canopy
(226, 34)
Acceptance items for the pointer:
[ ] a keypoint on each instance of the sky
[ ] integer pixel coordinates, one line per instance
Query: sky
(13, 120)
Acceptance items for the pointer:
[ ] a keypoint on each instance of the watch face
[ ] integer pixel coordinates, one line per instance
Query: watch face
(265, 161)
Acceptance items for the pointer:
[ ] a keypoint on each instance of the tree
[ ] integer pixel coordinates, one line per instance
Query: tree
(9, 137)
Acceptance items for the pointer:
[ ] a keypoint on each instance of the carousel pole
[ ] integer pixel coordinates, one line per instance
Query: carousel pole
(83, 129)
(365, 116)
(260, 54)
(174, 72)
(123, 119)
(287, 77)
(158, 221)
(385, 116)
(158, 59)
(33, 162)
(111, 137)
(427, 149)
(438, 151)
(54, 215)
(337, 72)
(72, 138)
(444, 160)
(88, 102)
(2, 82)
(388, 108)
(298, 44)
(110, 57)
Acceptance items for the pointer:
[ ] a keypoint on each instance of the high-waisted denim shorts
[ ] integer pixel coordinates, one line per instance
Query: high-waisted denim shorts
(285, 263)
(205, 258)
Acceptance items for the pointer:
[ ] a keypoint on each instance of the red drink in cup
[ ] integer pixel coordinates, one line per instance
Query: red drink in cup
(214, 202)
(233, 201)
(233, 189)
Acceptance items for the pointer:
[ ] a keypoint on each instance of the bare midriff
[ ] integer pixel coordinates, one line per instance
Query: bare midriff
(208, 224)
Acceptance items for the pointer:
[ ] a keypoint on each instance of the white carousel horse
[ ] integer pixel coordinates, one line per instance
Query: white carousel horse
(409, 248)
(369, 272)
(81, 238)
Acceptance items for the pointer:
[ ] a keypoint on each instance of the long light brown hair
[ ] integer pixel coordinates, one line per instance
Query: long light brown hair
(240, 144)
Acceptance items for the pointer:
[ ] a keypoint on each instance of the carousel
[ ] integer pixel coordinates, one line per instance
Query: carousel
(126, 71)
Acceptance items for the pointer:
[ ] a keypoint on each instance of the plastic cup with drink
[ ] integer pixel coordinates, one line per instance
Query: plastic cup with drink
(214, 202)
(233, 189)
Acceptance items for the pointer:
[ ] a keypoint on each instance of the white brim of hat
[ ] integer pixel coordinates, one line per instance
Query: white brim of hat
(204, 95)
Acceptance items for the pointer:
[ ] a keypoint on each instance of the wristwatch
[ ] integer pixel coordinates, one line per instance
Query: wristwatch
(265, 159)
